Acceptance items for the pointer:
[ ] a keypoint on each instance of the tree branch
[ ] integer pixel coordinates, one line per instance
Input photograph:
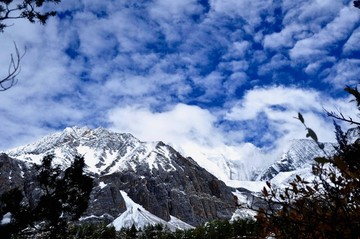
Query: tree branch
(341, 117)
(13, 70)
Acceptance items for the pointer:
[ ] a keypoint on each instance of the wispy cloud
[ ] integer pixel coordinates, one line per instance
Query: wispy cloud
(275, 109)
(203, 75)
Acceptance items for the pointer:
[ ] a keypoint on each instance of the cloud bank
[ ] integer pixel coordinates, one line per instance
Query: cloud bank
(221, 77)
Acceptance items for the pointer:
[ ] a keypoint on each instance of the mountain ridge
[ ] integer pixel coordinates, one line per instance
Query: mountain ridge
(152, 174)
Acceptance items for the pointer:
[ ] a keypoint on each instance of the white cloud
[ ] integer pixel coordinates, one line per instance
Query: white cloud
(310, 12)
(321, 10)
(249, 10)
(352, 43)
(176, 126)
(344, 72)
(174, 18)
(211, 84)
(136, 56)
(277, 62)
(316, 66)
(203, 134)
(235, 81)
(316, 46)
(285, 38)
(191, 130)
(238, 49)
(174, 10)
(277, 106)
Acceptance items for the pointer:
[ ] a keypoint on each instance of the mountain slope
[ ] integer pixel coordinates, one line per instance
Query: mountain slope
(298, 158)
(135, 214)
(152, 177)
(151, 174)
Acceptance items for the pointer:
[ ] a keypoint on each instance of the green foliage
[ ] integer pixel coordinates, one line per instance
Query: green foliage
(329, 206)
(219, 229)
(61, 196)
(91, 231)
(28, 9)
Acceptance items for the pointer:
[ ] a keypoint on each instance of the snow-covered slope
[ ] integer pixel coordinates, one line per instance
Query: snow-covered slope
(297, 159)
(105, 152)
(229, 164)
(153, 183)
(137, 215)
(136, 182)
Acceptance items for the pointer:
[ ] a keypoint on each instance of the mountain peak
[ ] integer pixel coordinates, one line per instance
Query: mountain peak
(300, 154)
(71, 135)
(128, 173)
(100, 147)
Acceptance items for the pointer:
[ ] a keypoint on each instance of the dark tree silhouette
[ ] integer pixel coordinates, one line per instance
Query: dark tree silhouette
(357, 3)
(339, 115)
(61, 196)
(28, 9)
(327, 207)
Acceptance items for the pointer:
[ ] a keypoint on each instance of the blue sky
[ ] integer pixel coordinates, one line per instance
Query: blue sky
(219, 75)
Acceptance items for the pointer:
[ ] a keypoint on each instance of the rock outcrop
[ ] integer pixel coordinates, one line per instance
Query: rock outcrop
(153, 175)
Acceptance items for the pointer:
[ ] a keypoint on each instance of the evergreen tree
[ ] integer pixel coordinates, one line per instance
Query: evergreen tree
(328, 207)
(61, 196)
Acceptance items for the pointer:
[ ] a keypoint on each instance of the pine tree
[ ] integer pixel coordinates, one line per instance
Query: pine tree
(62, 196)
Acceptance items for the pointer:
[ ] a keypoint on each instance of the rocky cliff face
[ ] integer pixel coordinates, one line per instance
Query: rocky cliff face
(12, 172)
(149, 182)
(153, 175)
(183, 190)
(299, 155)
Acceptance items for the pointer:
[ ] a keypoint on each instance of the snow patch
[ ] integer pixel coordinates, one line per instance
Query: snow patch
(283, 179)
(90, 157)
(178, 224)
(254, 186)
(138, 216)
(244, 210)
(6, 219)
(102, 185)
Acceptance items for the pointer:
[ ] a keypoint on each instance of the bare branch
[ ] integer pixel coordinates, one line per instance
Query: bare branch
(340, 116)
(13, 70)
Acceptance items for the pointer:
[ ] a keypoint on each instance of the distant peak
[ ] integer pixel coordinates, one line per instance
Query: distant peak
(77, 130)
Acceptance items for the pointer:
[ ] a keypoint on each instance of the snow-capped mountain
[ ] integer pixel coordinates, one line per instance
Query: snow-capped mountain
(228, 163)
(149, 182)
(151, 175)
(297, 159)
(104, 152)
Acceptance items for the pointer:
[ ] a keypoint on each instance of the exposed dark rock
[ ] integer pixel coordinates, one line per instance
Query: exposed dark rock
(189, 193)
(153, 175)
(12, 173)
